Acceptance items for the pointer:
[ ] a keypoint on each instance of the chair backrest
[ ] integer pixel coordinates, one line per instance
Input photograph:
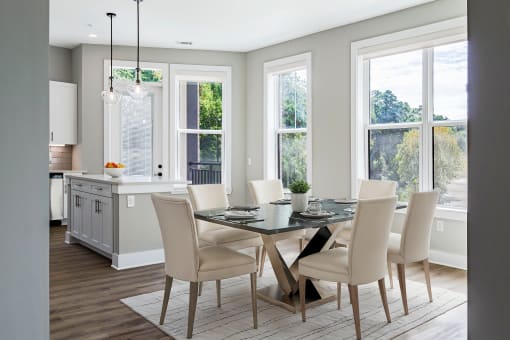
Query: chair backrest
(376, 189)
(415, 241)
(265, 191)
(179, 234)
(369, 240)
(205, 197)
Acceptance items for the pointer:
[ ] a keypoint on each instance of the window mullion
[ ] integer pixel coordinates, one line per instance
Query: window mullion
(426, 166)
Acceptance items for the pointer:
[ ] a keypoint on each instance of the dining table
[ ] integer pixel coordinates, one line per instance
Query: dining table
(278, 217)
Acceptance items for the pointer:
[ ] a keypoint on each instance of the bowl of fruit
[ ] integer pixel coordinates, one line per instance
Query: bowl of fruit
(114, 169)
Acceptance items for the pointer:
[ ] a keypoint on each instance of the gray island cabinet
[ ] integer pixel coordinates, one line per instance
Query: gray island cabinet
(115, 217)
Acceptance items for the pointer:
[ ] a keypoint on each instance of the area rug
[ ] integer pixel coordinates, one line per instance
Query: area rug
(234, 319)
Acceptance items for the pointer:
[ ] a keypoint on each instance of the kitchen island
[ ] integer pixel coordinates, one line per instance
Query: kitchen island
(115, 216)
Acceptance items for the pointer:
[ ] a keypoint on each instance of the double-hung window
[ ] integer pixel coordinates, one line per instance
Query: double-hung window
(200, 116)
(411, 117)
(287, 119)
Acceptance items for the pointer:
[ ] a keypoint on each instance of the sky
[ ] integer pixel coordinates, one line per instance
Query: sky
(402, 74)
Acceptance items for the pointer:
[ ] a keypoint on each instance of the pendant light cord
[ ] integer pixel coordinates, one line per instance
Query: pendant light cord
(111, 53)
(138, 41)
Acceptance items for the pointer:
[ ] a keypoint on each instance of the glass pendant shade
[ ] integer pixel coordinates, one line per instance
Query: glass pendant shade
(137, 91)
(111, 96)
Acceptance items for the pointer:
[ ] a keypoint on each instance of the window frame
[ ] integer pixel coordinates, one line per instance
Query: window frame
(423, 38)
(160, 151)
(272, 128)
(201, 73)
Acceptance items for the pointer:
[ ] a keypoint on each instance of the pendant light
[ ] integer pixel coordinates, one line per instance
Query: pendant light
(111, 96)
(137, 90)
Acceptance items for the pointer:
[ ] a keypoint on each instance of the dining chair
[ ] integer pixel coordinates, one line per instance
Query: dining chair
(364, 261)
(369, 189)
(214, 196)
(185, 260)
(414, 242)
(266, 191)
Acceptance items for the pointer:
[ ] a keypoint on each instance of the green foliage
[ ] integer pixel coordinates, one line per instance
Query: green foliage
(292, 157)
(211, 112)
(293, 87)
(130, 74)
(299, 187)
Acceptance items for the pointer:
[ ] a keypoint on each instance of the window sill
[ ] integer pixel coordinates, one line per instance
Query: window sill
(445, 214)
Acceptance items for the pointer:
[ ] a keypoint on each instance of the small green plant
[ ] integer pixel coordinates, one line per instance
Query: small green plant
(299, 187)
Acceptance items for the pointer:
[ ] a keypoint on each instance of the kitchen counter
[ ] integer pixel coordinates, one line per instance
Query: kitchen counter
(68, 171)
(136, 184)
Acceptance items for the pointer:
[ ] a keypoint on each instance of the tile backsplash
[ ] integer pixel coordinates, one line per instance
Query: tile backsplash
(61, 157)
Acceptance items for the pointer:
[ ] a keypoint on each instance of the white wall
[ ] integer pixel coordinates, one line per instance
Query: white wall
(24, 194)
(88, 72)
(331, 73)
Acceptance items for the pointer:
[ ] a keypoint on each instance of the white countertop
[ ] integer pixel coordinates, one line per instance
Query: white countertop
(68, 171)
(136, 184)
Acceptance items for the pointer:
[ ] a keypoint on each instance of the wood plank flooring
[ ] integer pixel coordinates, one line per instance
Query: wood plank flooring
(85, 293)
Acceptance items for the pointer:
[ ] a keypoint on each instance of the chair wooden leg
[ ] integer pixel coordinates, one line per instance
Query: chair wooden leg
(390, 274)
(382, 290)
(200, 284)
(262, 261)
(302, 294)
(426, 269)
(402, 282)
(253, 279)
(166, 297)
(218, 292)
(301, 244)
(193, 295)
(257, 256)
(355, 309)
(338, 294)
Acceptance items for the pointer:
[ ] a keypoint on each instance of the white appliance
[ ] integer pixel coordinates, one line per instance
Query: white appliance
(56, 196)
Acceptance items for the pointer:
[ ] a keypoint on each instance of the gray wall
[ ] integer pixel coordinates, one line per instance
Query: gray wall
(489, 119)
(88, 73)
(24, 190)
(331, 101)
(60, 64)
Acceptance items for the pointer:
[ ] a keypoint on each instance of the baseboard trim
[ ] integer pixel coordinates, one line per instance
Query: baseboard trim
(448, 259)
(137, 259)
(69, 239)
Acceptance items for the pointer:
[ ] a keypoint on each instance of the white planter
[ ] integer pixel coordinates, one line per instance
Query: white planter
(299, 202)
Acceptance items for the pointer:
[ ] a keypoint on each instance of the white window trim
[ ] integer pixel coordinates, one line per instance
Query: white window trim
(202, 73)
(107, 144)
(271, 119)
(417, 38)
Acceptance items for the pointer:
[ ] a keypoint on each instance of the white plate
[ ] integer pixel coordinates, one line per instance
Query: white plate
(321, 215)
(239, 214)
(346, 201)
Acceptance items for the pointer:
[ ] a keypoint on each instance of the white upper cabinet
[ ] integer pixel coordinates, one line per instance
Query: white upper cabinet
(63, 113)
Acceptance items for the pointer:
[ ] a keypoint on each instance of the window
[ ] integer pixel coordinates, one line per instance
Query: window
(201, 116)
(134, 133)
(411, 116)
(288, 117)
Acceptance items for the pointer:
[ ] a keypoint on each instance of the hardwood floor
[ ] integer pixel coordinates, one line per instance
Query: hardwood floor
(85, 293)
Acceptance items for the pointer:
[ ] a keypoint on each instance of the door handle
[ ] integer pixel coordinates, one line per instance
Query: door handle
(52, 136)
(99, 207)
(95, 206)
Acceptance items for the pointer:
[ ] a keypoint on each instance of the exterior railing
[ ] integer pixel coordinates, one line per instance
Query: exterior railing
(204, 172)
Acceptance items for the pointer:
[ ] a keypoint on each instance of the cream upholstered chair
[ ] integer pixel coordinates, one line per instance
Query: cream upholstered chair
(369, 189)
(266, 191)
(214, 196)
(184, 260)
(413, 244)
(364, 261)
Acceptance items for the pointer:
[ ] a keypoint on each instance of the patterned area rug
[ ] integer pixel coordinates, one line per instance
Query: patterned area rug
(234, 319)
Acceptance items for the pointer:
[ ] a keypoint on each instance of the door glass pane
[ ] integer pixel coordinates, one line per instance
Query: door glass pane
(136, 135)
(450, 81)
(201, 105)
(292, 157)
(450, 165)
(202, 157)
(394, 154)
(292, 99)
(396, 88)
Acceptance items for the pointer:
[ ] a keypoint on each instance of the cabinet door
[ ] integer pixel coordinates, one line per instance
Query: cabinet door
(87, 209)
(106, 212)
(96, 222)
(63, 113)
(76, 215)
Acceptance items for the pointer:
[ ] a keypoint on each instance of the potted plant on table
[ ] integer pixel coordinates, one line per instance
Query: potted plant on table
(299, 197)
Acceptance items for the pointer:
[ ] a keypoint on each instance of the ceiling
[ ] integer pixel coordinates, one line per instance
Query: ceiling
(229, 25)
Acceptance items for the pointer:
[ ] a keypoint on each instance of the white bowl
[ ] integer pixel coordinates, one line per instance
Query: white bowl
(114, 172)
